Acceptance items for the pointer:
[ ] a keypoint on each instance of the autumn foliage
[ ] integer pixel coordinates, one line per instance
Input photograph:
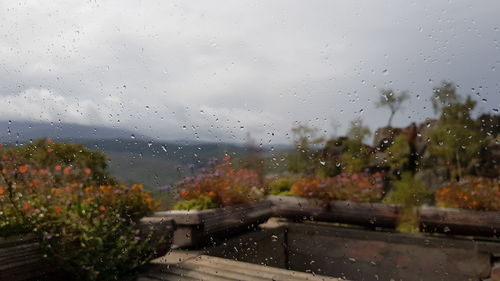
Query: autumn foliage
(223, 185)
(471, 193)
(356, 187)
(80, 213)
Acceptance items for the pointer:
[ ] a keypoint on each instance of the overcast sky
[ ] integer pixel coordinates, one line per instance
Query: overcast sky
(216, 70)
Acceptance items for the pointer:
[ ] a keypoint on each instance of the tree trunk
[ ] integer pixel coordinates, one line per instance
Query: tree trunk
(390, 118)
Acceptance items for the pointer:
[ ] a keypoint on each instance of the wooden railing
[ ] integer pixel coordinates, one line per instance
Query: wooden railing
(431, 219)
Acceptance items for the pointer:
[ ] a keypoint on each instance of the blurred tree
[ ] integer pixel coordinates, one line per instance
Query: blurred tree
(253, 158)
(488, 162)
(444, 96)
(399, 154)
(489, 124)
(455, 140)
(409, 192)
(304, 160)
(356, 156)
(390, 99)
(358, 131)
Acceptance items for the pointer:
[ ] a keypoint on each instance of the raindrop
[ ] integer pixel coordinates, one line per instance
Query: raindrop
(132, 136)
(385, 72)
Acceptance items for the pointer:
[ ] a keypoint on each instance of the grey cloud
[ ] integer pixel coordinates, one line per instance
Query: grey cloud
(216, 70)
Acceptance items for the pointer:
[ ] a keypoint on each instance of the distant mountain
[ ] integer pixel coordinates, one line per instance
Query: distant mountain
(158, 163)
(22, 131)
(134, 158)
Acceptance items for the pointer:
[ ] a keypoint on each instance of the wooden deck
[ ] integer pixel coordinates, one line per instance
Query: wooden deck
(191, 265)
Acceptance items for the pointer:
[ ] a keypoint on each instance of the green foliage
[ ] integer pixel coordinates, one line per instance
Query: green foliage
(90, 247)
(444, 96)
(409, 192)
(202, 203)
(304, 160)
(408, 221)
(87, 229)
(45, 153)
(286, 193)
(356, 156)
(398, 153)
(455, 139)
(280, 186)
(358, 131)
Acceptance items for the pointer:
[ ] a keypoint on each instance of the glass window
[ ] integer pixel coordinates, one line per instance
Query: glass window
(336, 139)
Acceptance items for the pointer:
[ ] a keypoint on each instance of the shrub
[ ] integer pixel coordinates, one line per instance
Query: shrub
(358, 187)
(313, 188)
(280, 186)
(86, 228)
(471, 193)
(201, 203)
(223, 185)
(409, 192)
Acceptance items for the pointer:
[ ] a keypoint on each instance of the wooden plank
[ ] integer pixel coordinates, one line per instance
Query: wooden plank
(364, 214)
(196, 227)
(160, 230)
(457, 221)
(21, 259)
(436, 220)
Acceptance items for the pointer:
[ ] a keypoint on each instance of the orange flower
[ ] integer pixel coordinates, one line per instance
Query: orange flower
(102, 208)
(4, 171)
(104, 188)
(49, 150)
(57, 209)
(67, 171)
(23, 169)
(67, 189)
(2, 191)
(49, 140)
(136, 186)
(58, 168)
(26, 206)
(87, 171)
